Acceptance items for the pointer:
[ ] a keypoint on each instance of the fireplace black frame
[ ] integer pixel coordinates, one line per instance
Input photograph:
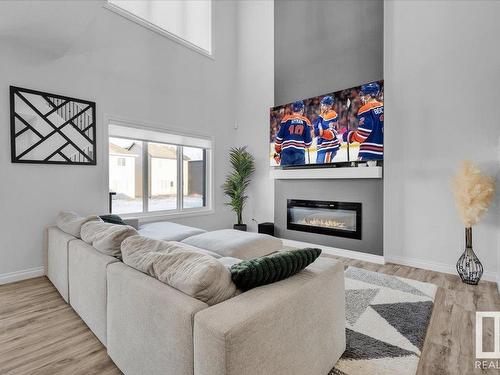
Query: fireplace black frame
(353, 206)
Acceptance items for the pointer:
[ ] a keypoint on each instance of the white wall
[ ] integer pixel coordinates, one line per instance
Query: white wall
(325, 46)
(82, 50)
(255, 95)
(442, 74)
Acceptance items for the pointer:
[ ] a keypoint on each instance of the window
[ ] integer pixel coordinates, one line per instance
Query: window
(162, 168)
(125, 179)
(153, 172)
(186, 21)
(193, 193)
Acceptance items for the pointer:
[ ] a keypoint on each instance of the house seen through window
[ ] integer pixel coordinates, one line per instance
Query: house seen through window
(156, 177)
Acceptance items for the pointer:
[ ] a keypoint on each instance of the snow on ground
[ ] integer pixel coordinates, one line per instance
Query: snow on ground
(126, 206)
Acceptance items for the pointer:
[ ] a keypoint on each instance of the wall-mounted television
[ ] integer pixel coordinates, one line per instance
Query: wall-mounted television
(339, 127)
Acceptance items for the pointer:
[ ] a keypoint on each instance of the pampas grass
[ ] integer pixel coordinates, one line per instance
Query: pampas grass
(473, 192)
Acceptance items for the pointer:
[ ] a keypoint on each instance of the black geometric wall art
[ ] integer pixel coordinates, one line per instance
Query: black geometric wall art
(51, 129)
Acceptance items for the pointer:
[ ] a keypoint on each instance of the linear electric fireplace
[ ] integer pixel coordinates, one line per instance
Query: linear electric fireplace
(342, 219)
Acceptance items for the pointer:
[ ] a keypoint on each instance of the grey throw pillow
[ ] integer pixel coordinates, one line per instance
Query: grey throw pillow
(107, 238)
(194, 273)
(71, 223)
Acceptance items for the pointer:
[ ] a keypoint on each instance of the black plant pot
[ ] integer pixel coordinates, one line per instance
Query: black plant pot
(242, 227)
(469, 267)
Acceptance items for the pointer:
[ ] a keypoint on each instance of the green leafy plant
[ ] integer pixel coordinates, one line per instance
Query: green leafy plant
(243, 164)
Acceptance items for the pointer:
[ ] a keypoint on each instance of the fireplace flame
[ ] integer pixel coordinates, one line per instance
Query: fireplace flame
(325, 223)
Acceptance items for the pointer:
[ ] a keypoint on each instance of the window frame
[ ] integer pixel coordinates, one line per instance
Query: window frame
(174, 37)
(180, 211)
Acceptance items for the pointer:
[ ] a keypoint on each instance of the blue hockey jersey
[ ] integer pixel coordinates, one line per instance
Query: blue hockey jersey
(325, 132)
(294, 134)
(370, 132)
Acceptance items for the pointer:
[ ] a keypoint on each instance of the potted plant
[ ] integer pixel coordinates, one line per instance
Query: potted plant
(473, 192)
(243, 164)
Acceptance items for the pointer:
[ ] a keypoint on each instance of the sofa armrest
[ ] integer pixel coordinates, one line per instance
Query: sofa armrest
(293, 327)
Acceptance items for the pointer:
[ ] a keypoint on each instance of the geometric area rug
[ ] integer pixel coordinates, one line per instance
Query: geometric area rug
(386, 322)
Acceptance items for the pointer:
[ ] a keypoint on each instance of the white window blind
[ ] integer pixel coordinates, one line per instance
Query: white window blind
(143, 134)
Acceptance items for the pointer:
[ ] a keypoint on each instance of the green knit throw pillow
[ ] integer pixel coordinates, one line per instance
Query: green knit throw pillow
(113, 219)
(271, 268)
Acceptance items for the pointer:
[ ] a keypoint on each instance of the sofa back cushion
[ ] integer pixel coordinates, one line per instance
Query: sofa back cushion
(168, 231)
(236, 244)
(71, 223)
(183, 267)
(106, 237)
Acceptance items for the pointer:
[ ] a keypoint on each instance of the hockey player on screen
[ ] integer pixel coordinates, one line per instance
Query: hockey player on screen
(324, 130)
(294, 136)
(370, 132)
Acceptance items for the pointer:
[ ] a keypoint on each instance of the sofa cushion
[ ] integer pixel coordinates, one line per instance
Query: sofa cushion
(236, 244)
(194, 273)
(269, 269)
(167, 231)
(71, 223)
(139, 252)
(106, 237)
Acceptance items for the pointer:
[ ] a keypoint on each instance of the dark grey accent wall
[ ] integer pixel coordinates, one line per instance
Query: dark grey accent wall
(322, 46)
(367, 191)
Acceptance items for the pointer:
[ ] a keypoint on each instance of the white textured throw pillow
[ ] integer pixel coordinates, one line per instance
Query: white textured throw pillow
(182, 267)
(71, 223)
(106, 237)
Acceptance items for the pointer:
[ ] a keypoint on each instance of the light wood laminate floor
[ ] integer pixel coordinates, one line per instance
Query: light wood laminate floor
(41, 334)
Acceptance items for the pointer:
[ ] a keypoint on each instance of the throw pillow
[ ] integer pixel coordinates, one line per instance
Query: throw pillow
(181, 266)
(71, 223)
(113, 219)
(271, 268)
(106, 238)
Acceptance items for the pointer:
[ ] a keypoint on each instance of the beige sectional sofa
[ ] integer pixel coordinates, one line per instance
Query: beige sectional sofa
(57, 259)
(293, 327)
(150, 328)
(87, 275)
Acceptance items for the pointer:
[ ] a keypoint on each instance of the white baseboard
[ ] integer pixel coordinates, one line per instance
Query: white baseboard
(433, 266)
(30, 273)
(411, 262)
(379, 259)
